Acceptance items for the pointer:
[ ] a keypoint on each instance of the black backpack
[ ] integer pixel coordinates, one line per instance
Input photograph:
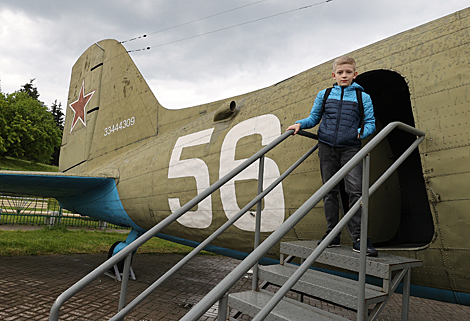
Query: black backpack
(359, 102)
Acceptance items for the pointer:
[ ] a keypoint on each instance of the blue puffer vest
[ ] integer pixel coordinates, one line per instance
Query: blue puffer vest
(341, 118)
(341, 121)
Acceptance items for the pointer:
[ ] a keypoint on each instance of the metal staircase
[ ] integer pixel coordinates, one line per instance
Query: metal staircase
(274, 306)
(341, 291)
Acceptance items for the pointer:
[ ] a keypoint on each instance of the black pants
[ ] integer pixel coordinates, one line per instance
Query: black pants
(331, 160)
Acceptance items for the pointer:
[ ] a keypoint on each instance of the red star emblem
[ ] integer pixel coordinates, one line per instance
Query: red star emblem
(79, 105)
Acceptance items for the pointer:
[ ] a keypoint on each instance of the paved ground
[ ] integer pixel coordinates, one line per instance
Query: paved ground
(29, 286)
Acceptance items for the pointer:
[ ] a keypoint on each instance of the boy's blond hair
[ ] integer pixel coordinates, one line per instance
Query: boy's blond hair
(344, 60)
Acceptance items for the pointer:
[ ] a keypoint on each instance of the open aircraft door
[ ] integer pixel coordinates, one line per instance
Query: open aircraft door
(400, 215)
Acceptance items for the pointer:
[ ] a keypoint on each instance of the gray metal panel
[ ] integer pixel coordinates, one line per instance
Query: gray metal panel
(251, 302)
(345, 258)
(324, 286)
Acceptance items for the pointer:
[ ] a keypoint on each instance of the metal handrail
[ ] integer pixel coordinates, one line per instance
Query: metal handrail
(223, 287)
(131, 305)
(129, 249)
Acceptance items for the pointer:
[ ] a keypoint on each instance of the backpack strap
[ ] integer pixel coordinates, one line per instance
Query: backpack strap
(361, 108)
(325, 97)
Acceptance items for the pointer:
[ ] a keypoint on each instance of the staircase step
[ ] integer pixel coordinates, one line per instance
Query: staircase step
(345, 258)
(251, 302)
(324, 286)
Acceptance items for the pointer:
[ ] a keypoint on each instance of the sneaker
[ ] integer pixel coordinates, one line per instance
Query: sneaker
(334, 243)
(371, 251)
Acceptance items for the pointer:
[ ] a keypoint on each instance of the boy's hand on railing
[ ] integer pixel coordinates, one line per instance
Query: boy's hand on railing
(295, 127)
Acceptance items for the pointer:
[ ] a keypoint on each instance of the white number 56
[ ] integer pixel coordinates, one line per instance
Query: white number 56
(269, 127)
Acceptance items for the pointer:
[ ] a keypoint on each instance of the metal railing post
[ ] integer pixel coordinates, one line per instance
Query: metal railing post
(222, 313)
(258, 221)
(125, 282)
(361, 306)
(405, 306)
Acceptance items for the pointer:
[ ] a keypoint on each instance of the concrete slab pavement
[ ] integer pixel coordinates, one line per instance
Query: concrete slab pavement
(29, 285)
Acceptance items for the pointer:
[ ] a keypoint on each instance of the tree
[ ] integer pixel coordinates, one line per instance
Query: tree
(4, 128)
(30, 89)
(58, 115)
(56, 111)
(29, 130)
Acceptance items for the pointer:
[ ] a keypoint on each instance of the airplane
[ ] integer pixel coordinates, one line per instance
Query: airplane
(127, 160)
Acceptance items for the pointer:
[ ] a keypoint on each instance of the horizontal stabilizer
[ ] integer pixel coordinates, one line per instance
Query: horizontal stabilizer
(93, 196)
(45, 184)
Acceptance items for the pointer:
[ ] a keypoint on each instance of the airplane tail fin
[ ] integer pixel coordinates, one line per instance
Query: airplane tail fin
(109, 107)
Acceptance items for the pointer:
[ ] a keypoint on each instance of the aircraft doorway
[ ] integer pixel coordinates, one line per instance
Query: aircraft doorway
(402, 214)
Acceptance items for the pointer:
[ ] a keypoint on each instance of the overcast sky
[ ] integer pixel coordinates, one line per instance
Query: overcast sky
(42, 39)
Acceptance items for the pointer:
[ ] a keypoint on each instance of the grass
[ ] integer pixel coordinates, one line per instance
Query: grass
(61, 241)
(12, 164)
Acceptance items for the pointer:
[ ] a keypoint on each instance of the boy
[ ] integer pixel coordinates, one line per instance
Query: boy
(339, 139)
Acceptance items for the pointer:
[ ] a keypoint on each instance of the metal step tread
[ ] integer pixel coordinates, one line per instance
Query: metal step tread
(344, 257)
(251, 302)
(324, 286)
